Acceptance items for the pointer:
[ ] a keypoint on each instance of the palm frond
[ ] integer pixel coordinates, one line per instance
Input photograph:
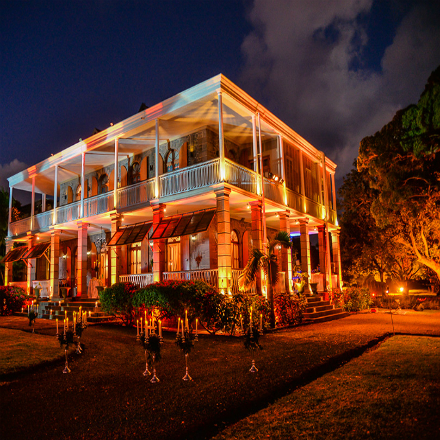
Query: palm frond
(247, 277)
(282, 238)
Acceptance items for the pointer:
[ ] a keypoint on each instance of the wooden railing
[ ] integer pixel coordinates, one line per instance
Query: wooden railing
(241, 177)
(68, 213)
(273, 191)
(209, 276)
(98, 204)
(43, 220)
(139, 280)
(20, 226)
(190, 178)
(136, 194)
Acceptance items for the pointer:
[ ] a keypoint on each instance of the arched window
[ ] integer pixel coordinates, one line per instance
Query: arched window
(235, 250)
(170, 161)
(103, 184)
(136, 176)
(78, 193)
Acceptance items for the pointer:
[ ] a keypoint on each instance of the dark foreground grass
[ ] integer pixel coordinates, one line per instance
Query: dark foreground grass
(107, 397)
(392, 392)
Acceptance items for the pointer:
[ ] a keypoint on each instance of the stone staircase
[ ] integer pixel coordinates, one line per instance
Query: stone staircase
(62, 308)
(319, 311)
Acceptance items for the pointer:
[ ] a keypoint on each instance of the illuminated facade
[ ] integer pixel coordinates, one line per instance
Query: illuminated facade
(182, 190)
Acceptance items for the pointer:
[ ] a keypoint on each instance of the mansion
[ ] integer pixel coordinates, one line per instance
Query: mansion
(183, 190)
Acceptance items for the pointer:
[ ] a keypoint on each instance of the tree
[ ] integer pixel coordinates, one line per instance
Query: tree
(402, 163)
(268, 262)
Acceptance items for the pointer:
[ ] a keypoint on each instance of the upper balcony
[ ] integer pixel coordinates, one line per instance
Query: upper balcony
(179, 182)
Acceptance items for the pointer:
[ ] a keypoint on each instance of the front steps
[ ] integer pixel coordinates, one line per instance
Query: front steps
(61, 309)
(320, 311)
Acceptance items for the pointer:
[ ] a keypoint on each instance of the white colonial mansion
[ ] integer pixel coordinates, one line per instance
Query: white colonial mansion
(181, 190)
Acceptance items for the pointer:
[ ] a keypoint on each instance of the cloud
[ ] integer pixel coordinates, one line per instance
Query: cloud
(306, 61)
(8, 170)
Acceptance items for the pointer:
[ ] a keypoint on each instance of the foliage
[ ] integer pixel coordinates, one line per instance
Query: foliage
(352, 299)
(402, 164)
(268, 263)
(251, 339)
(118, 300)
(185, 343)
(151, 345)
(12, 299)
(289, 309)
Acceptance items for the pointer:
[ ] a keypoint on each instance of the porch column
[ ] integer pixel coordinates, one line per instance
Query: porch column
(33, 203)
(156, 164)
(115, 251)
(254, 144)
(83, 189)
(336, 247)
(10, 211)
(221, 140)
(334, 194)
(43, 203)
(31, 266)
(8, 266)
(224, 240)
(257, 234)
(282, 169)
(303, 187)
(305, 251)
(115, 194)
(286, 255)
(54, 263)
(158, 245)
(55, 195)
(324, 259)
(81, 264)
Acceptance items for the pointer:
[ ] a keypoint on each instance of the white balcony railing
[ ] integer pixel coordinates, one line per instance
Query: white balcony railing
(98, 204)
(20, 226)
(241, 177)
(43, 220)
(273, 191)
(136, 194)
(139, 280)
(190, 178)
(68, 213)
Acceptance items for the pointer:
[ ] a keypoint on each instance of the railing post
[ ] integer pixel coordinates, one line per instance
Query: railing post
(115, 195)
(221, 142)
(55, 196)
(10, 211)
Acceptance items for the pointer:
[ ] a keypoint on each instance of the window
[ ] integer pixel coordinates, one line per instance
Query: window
(136, 176)
(103, 184)
(135, 258)
(78, 193)
(235, 250)
(170, 161)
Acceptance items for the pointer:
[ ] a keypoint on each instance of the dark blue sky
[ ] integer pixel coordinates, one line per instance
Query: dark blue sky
(67, 67)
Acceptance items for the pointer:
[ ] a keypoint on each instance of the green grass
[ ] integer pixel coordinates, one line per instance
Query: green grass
(20, 350)
(391, 392)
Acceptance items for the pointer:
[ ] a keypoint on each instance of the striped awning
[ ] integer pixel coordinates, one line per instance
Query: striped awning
(35, 251)
(130, 234)
(14, 254)
(184, 224)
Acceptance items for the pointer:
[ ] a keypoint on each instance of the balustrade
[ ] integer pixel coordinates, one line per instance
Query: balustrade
(98, 204)
(241, 177)
(136, 194)
(140, 280)
(43, 220)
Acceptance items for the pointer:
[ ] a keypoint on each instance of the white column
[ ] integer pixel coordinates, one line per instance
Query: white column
(221, 141)
(115, 193)
(156, 186)
(55, 195)
(324, 186)
(43, 203)
(263, 203)
(254, 144)
(303, 188)
(33, 203)
(283, 172)
(83, 169)
(10, 211)
(333, 192)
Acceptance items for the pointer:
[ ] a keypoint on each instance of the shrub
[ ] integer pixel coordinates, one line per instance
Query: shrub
(355, 299)
(289, 309)
(12, 299)
(117, 300)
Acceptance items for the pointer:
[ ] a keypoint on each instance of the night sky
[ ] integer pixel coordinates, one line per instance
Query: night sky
(335, 71)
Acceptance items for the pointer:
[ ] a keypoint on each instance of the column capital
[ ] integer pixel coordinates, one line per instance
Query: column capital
(115, 216)
(221, 192)
(303, 221)
(255, 204)
(82, 225)
(158, 207)
(284, 214)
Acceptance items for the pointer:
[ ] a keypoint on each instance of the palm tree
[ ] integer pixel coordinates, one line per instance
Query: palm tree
(268, 262)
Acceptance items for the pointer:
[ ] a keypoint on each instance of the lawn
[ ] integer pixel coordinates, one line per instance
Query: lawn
(20, 350)
(390, 392)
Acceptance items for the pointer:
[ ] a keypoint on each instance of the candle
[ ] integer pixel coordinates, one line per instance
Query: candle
(183, 334)
(57, 325)
(186, 319)
(74, 319)
(96, 304)
(141, 325)
(261, 322)
(196, 324)
(67, 323)
(22, 310)
(28, 309)
(178, 325)
(137, 327)
(64, 325)
(160, 328)
(145, 319)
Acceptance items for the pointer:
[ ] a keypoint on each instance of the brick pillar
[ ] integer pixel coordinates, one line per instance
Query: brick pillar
(54, 263)
(322, 256)
(257, 234)
(158, 245)
(81, 264)
(8, 266)
(305, 251)
(286, 254)
(115, 251)
(31, 266)
(224, 240)
(336, 247)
